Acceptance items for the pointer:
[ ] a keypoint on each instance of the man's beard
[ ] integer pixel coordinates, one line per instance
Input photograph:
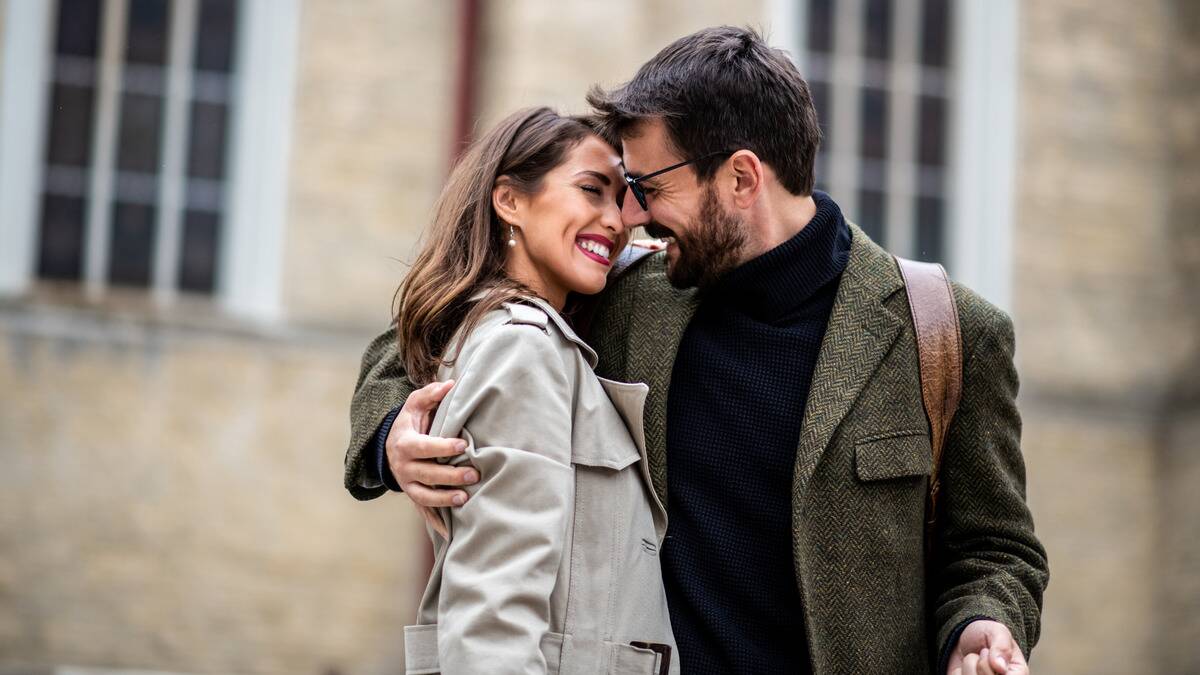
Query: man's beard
(711, 247)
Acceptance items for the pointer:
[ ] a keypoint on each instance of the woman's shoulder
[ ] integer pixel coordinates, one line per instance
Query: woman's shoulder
(515, 336)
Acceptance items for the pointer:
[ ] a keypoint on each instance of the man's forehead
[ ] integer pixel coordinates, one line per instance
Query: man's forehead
(646, 148)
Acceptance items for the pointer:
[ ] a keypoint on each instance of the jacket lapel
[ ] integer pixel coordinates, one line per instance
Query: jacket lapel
(661, 313)
(860, 333)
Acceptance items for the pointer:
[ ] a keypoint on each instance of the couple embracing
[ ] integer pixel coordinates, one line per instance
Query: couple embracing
(542, 374)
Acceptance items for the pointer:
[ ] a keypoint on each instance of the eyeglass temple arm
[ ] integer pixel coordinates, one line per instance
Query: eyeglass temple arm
(676, 166)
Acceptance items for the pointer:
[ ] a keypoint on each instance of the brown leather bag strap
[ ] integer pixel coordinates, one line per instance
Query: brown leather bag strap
(939, 351)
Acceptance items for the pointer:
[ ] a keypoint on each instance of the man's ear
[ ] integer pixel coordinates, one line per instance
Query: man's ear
(506, 201)
(746, 171)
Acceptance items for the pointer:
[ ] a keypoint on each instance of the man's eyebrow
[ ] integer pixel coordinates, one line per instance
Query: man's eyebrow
(632, 174)
(598, 176)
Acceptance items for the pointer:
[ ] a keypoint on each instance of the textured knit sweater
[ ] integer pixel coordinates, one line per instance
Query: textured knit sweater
(738, 390)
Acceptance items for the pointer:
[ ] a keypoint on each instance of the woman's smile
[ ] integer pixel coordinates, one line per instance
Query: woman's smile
(596, 247)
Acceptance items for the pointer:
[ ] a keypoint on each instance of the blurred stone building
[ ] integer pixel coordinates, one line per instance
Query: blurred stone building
(205, 206)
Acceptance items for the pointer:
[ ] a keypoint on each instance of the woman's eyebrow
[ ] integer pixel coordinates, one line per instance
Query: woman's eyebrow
(598, 176)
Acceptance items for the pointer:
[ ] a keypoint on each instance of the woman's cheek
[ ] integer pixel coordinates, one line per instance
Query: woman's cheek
(622, 242)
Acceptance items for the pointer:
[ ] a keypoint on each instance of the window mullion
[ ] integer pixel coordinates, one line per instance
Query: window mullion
(172, 178)
(104, 146)
(902, 133)
(845, 85)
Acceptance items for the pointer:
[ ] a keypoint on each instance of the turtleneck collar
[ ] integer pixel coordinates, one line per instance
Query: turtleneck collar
(778, 282)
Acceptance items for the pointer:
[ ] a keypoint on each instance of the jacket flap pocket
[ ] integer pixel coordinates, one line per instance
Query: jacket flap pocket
(896, 455)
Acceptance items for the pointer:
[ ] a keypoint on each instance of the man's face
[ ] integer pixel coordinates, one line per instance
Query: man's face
(704, 239)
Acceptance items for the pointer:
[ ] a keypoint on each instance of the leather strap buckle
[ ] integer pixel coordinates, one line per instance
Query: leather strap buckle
(662, 650)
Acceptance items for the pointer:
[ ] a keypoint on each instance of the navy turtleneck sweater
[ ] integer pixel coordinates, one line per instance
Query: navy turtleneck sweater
(738, 391)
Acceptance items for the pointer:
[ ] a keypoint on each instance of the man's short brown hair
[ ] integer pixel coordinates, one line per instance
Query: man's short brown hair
(721, 89)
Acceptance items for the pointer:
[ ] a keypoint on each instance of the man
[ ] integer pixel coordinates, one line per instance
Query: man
(785, 397)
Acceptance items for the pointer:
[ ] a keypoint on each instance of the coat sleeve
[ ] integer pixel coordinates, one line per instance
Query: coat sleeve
(988, 562)
(513, 405)
(382, 385)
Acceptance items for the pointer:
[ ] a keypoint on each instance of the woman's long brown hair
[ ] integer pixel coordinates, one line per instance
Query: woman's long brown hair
(464, 251)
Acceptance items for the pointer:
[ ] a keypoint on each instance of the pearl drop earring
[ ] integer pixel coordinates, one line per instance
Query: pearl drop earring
(512, 237)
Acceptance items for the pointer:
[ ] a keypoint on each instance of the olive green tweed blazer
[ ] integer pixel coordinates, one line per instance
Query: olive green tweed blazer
(872, 601)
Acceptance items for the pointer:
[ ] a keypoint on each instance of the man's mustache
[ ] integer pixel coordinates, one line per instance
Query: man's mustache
(658, 231)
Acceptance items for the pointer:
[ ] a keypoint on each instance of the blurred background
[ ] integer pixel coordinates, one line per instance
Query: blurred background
(205, 206)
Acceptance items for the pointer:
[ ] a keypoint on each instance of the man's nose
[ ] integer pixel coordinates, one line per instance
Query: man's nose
(632, 213)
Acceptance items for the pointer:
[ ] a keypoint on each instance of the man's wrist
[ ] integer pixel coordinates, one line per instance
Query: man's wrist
(952, 641)
(381, 463)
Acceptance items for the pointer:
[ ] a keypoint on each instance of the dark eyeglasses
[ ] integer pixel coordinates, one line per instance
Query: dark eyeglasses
(640, 194)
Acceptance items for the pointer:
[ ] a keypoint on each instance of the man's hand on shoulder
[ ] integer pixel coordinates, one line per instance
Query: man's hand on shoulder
(987, 648)
(412, 456)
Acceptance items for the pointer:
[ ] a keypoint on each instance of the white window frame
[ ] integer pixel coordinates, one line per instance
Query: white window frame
(978, 221)
(250, 258)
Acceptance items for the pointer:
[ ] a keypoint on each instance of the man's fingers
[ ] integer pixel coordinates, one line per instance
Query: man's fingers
(434, 520)
(984, 667)
(430, 474)
(427, 398)
(1015, 662)
(434, 497)
(955, 665)
(969, 663)
(431, 447)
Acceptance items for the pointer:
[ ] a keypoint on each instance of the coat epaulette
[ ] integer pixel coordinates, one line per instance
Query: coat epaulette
(526, 315)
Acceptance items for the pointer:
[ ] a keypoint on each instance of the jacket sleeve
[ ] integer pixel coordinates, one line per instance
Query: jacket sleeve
(513, 405)
(382, 386)
(988, 562)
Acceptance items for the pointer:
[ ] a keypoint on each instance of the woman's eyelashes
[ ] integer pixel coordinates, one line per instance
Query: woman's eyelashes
(592, 189)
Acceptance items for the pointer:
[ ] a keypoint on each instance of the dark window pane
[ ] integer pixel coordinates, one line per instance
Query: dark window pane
(930, 228)
(820, 26)
(78, 32)
(60, 243)
(874, 123)
(132, 244)
(206, 143)
(931, 133)
(198, 267)
(141, 120)
(871, 214)
(70, 141)
(214, 41)
(935, 32)
(146, 36)
(878, 38)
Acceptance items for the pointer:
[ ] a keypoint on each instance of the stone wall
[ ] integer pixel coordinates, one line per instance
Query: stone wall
(1106, 296)
(535, 57)
(171, 499)
(370, 145)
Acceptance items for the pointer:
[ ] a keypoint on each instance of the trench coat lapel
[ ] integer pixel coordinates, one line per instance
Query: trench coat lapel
(662, 314)
(860, 333)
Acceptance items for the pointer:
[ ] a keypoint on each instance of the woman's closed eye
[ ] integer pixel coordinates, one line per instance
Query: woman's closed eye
(593, 189)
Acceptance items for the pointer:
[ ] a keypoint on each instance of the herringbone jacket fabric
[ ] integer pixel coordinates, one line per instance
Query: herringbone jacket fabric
(872, 601)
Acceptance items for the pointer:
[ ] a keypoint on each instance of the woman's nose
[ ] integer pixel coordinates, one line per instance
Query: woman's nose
(632, 213)
(613, 219)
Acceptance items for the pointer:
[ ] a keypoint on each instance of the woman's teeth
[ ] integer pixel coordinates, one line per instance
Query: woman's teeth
(594, 247)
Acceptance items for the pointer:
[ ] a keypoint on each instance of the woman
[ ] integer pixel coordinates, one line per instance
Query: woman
(551, 566)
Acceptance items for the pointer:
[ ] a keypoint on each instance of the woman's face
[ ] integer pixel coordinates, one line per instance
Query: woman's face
(570, 231)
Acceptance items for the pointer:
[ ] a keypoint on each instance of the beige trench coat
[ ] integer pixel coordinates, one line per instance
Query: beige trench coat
(552, 565)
